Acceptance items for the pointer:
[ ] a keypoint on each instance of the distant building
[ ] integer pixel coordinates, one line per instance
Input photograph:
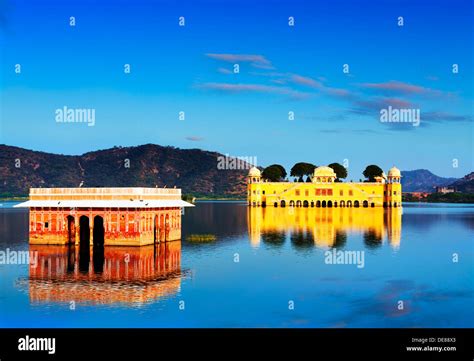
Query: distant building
(445, 190)
(104, 216)
(323, 191)
(418, 195)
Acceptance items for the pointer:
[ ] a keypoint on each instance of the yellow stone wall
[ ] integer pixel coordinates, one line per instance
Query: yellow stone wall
(375, 194)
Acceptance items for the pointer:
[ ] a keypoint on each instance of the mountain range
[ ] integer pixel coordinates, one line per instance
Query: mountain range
(195, 171)
(422, 180)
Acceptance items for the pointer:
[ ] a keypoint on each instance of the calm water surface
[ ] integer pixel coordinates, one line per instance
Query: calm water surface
(265, 268)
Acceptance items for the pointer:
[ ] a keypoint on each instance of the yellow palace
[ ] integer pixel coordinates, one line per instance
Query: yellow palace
(323, 191)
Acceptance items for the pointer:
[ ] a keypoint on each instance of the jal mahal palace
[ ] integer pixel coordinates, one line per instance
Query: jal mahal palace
(324, 191)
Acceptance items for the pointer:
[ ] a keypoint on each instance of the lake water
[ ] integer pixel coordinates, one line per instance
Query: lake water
(241, 267)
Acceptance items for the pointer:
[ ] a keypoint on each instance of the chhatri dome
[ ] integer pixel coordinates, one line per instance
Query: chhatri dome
(394, 172)
(324, 172)
(254, 172)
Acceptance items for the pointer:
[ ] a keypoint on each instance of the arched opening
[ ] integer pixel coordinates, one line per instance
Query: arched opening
(71, 229)
(335, 204)
(356, 204)
(292, 203)
(318, 204)
(324, 204)
(372, 204)
(343, 204)
(275, 204)
(385, 204)
(84, 244)
(298, 203)
(84, 231)
(395, 204)
(98, 231)
(283, 203)
(349, 203)
(264, 204)
(330, 204)
(305, 204)
(365, 204)
(312, 204)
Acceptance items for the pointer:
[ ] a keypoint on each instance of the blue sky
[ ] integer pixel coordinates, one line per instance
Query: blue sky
(282, 69)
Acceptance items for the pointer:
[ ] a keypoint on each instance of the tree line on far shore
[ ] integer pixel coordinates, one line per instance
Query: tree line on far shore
(277, 173)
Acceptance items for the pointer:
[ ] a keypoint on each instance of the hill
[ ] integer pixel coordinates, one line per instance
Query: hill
(465, 184)
(194, 171)
(422, 180)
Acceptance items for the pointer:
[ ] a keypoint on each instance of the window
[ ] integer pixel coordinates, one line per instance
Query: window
(318, 192)
(350, 192)
(329, 192)
(253, 192)
(395, 192)
(306, 193)
(46, 224)
(297, 192)
(341, 192)
(324, 192)
(263, 192)
(384, 193)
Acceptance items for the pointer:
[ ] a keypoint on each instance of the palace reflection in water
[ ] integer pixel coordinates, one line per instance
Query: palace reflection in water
(105, 275)
(324, 227)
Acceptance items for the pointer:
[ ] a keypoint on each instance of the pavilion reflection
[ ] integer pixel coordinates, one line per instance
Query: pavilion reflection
(105, 275)
(324, 227)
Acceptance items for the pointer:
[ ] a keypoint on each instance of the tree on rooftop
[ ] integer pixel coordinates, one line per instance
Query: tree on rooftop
(371, 172)
(301, 169)
(340, 170)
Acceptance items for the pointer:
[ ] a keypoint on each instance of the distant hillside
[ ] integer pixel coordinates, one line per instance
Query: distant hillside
(422, 180)
(465, 184)
(193, 170)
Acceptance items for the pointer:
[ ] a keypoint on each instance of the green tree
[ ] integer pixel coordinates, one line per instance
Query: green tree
(274, 173)
(371, 172)
(301, 169)
(340, 170)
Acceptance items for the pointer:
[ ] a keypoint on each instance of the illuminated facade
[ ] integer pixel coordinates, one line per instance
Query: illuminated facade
(104, 216)
(323, 191)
